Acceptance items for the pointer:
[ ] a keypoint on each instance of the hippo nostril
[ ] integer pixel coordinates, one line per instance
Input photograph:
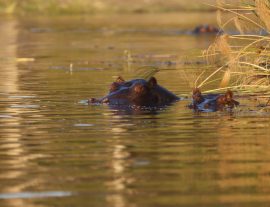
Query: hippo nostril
(106, 100)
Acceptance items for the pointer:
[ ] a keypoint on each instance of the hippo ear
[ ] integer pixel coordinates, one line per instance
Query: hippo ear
(119, 79)
(229, 95)
(152, 82)
(196, 91)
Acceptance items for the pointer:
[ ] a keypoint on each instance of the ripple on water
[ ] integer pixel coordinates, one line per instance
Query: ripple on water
(4, 116)
(83, 102)
(65, 68)
(83, 125)
(22, 97)
(41, 30)
(30, 106)
(35, 194)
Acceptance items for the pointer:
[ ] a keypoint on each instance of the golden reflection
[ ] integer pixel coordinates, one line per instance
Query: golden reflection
(17, 158)
(119, 163)
(8, 54)
(235, 158)
(240, 154)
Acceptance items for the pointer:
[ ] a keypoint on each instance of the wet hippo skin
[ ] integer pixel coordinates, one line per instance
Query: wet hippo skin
(138, 92)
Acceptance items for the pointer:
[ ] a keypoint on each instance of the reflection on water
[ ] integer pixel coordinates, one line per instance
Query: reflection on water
(8, 53)
(58, 151)
(16, 159)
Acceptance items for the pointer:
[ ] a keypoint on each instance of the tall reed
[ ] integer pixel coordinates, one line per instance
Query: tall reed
(244, 58)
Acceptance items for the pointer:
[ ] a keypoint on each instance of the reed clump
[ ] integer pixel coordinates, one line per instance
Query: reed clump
(243, 58)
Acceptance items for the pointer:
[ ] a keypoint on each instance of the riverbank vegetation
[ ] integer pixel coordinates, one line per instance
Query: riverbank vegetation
(242, 59)
(64, 7)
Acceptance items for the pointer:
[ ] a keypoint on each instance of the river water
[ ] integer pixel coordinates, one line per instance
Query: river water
(55, 150)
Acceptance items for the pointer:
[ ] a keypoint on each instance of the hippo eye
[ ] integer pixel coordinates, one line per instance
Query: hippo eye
(139, 89)
(128, 84)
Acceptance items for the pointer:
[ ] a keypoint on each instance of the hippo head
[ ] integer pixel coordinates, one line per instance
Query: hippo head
(135, 92)
(206, 29)
(212, 102)
(227, 100)
(138, 92)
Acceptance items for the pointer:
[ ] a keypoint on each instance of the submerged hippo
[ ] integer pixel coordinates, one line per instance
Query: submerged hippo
(137, 92)
(212, 102)
(206, 29)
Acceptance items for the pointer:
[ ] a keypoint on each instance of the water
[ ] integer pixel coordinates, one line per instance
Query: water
(58, 151)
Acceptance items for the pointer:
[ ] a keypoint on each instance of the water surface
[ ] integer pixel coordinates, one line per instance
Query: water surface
(57, 151)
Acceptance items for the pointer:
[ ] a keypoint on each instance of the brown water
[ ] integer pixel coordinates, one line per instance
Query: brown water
(57, 151)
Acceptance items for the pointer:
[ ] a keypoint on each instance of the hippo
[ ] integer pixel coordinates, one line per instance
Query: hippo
(212, 102)
(206, 29)
(137, 92)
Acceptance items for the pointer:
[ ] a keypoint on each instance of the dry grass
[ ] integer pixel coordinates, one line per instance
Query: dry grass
(245, 57)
